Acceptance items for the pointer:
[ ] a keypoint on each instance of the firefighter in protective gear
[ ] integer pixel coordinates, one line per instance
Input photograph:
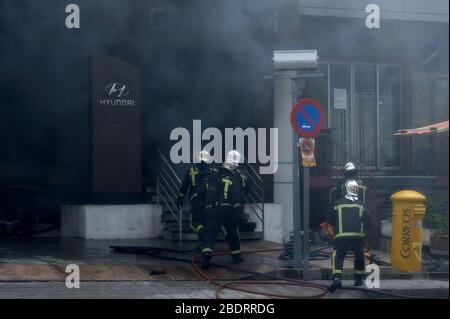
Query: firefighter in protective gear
(195, 180)
(224, 196)
(241, 187)
(351, 221)
(350, 173)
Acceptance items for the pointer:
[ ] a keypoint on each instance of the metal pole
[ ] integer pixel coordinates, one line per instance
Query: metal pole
(305, 222)
(297, 224)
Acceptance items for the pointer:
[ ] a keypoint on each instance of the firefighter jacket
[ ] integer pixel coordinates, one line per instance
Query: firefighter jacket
(227, 188)
(349, 218)
(195, 180)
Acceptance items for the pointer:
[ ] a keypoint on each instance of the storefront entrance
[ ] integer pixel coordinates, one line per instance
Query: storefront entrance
(364, 108)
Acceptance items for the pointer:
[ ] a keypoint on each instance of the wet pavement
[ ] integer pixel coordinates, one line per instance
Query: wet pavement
(40, 259)
(35, 267)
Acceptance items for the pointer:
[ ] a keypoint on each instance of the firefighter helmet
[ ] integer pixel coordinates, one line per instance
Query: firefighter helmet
(349, 167)
(350, 170)
(204, 156)
(351, 190)
(233, 159)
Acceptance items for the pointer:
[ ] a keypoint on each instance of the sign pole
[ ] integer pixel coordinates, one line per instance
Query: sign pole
(307, 119)
(296, 203)
(305, 222)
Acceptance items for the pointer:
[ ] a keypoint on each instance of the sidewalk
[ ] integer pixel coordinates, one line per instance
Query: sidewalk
(35, 268)
(201, 290)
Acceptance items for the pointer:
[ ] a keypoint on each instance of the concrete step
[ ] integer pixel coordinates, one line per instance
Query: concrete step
(173, 236)
(169, 218)
(188, 236)
(173, 227)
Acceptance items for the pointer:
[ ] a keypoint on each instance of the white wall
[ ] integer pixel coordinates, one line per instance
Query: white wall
(273, 221)
(111, 221)
(283, 104)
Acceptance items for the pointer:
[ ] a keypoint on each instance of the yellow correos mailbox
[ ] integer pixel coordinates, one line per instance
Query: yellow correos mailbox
(408, 212)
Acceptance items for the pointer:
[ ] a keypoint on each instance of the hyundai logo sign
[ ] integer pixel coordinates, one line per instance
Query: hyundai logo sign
(117, 90)
(116, 95)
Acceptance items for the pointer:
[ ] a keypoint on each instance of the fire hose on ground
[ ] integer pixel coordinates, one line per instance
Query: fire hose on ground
(155, 252)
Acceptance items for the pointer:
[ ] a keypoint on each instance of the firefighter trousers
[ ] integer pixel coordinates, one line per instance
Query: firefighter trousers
(222, 218)
(341, 246)
(197, 221)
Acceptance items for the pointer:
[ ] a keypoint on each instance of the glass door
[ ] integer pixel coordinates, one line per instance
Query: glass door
(364, 113)
(389, 116)
(340, 110)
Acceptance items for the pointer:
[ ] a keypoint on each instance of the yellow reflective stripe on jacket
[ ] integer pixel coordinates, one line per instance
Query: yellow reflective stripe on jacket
(192, 173)
(350, 206)
(244, 180)
(340, 224)
(224, 231)
(339, 219)
(349, 234)
(225, 188)
(361, 211)
(359, 272)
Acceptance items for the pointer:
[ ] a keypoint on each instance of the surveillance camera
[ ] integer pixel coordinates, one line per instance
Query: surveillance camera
(295, 60)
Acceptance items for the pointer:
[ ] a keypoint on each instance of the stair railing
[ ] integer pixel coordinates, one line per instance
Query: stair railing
(167, 185)
(256, 197)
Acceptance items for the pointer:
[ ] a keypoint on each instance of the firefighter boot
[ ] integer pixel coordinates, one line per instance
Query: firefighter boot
(206, 257)
(199, 246)
(336, 284)
(359, 281)
(237, 258)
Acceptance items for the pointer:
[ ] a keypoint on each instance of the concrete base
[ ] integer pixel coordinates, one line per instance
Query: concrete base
(273, 221)
(111, 221)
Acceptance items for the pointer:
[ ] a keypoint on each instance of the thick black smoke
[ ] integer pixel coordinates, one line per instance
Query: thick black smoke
(198, 59)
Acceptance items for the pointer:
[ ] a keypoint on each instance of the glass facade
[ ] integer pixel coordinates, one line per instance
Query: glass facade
(363, 112)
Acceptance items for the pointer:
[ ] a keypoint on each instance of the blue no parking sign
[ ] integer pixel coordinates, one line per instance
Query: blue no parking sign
(307, 117)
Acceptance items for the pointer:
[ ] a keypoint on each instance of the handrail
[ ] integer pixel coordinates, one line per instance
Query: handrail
(256, 191)
(168, 182)
(168, 165)
(169, 179)
(254, 171)
(260, 217)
